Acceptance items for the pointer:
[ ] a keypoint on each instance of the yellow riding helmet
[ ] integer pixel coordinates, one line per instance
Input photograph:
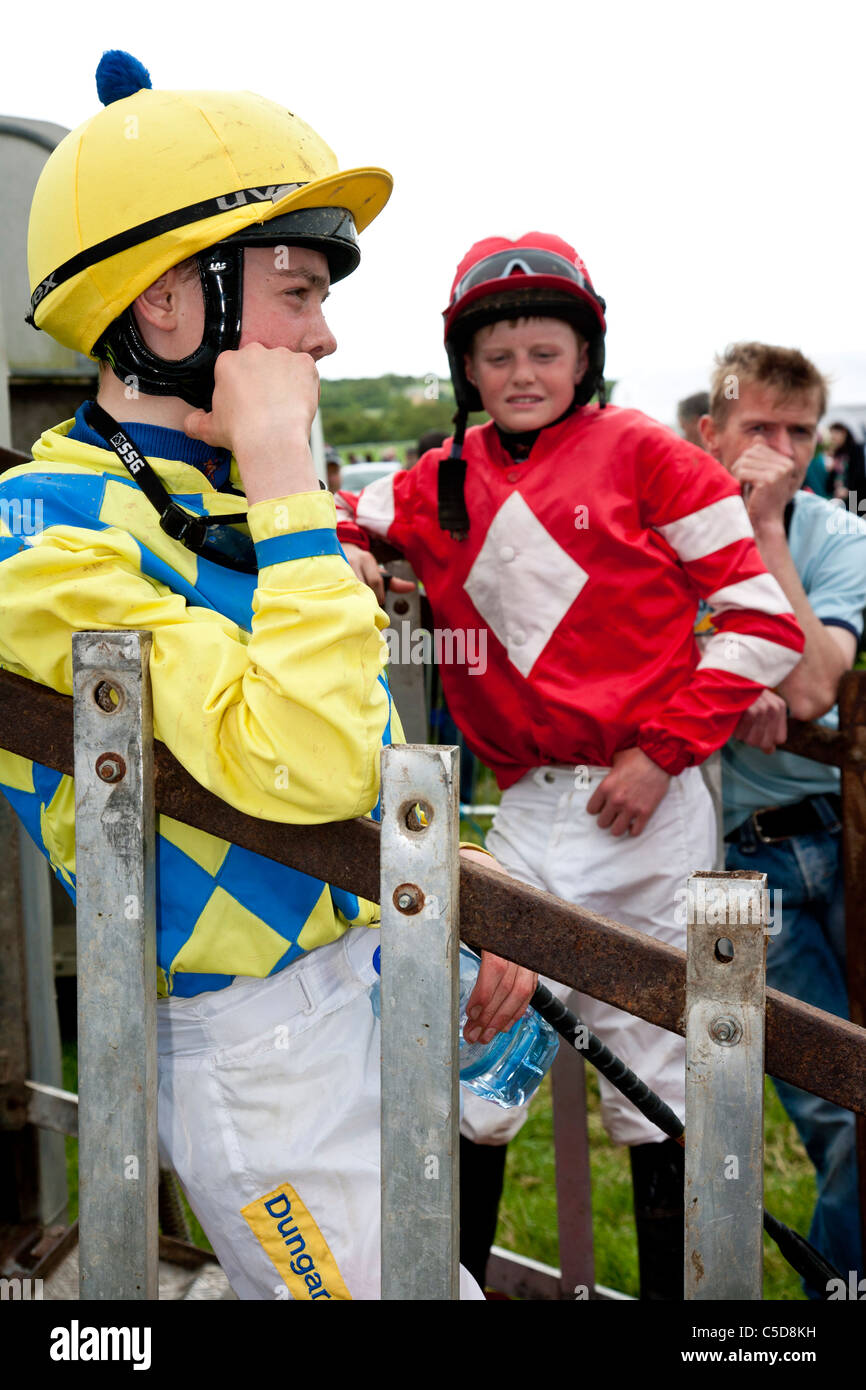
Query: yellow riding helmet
(157, 177)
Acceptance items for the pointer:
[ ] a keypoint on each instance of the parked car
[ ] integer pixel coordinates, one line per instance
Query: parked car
(359, 475)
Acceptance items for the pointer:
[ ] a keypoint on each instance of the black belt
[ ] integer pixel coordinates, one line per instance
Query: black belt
(772, 823)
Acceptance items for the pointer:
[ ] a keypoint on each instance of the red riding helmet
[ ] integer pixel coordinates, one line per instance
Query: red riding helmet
(538, 275)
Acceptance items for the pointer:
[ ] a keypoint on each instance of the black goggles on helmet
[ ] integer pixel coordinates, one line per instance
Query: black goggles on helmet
(526, 260)
(329, 230)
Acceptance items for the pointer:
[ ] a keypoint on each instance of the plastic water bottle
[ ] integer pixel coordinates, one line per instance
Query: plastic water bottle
(509, 1069)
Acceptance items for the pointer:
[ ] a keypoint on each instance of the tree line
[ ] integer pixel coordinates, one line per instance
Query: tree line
(378, 410)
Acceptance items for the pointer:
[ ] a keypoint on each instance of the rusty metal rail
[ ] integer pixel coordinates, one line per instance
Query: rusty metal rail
(812, 1049)
(820, 745)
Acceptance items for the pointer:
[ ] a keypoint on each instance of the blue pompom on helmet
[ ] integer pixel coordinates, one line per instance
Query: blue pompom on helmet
(120, 75)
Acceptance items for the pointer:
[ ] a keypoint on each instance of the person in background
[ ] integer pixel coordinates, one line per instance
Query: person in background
(782, 813)
(849, 468)
(689, 412)
(819, 473)
(334, 466)
(433, 439)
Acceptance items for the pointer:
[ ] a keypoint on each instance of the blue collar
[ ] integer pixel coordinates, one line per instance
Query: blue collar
(156, 441)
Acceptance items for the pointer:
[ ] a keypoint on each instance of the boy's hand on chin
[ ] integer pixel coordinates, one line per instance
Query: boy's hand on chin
(264, 404)
(628, 795)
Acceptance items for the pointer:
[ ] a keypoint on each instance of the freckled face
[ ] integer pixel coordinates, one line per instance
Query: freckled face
(285, 288)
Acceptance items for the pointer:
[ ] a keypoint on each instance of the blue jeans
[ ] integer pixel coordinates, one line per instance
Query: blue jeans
(806, 959)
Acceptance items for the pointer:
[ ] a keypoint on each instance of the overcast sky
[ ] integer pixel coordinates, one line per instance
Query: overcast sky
(705, 159)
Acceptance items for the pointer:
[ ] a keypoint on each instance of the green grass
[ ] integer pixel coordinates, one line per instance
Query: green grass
(527, 1216)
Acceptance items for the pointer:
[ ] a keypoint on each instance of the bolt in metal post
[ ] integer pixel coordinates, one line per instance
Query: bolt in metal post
(116, 914)
(420, 947)
(725, 995)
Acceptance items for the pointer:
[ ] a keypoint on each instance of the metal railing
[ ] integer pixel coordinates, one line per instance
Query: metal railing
(612, 962)
(811, 1049)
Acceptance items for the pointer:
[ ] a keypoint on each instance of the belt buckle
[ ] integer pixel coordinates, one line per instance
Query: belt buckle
(766, 839)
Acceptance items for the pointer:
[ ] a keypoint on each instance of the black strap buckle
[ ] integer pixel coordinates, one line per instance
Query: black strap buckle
(183, 526)
(177, 523)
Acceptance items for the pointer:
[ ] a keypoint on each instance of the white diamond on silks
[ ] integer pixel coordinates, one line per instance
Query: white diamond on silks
(523, 603)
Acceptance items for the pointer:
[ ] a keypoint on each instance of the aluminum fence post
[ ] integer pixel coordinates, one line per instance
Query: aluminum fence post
(406, 666)
(420, 949)
(725, 996)
(115, 858)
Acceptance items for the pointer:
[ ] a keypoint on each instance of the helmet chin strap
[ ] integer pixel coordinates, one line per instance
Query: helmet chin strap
(122, 345)
(451, 483)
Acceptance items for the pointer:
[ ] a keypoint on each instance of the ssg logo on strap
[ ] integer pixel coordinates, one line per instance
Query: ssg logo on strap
(125, 447)
(295, 1245)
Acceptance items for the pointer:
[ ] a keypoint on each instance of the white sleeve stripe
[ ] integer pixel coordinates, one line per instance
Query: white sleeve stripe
(376, 506)
(753, 658)
(762, 593)
(702, 532)
(344, 511)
